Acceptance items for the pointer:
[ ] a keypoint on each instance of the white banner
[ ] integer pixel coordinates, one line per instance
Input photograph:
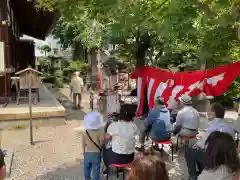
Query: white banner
(2, 59)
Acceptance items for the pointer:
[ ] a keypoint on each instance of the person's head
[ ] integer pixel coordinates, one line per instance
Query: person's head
(221, 150)
(77, 73)
(2, 165)
(185, 100)
(216, 111)
(148, 166)
(127, 112)
(159, 102)
(92, 120)
(145, 115)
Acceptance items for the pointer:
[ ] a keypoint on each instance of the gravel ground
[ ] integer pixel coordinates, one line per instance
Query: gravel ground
(57, 155)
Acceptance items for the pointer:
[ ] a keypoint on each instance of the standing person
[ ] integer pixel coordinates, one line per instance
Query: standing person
(77, 87)
(222, 162)
(122, 133)
(157, 124)
(187, 120)
(92, 141)
(148, 166)
(195, 155)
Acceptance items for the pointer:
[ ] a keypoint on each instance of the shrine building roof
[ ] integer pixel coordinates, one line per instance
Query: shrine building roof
(33, 22)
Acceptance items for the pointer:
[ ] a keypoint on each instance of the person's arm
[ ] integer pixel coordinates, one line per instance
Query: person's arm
(201, 142)
(101, 138)
(150, 118)
(179, 119)
(71, 85)
(82, 83)
(83, 143)
(111, 131)
(198, 119)
(167, 121)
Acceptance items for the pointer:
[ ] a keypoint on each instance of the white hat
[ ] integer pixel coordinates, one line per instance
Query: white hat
(185, 99)
(92, 120)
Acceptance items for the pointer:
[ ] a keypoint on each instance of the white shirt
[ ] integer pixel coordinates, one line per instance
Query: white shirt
(188, 117)
(123, 137)
(76, 84)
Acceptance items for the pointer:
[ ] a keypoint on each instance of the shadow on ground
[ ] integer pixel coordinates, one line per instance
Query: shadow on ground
(74, 171)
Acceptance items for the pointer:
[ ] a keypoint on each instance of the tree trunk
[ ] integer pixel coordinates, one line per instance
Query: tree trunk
(78, 51)
(143, 43)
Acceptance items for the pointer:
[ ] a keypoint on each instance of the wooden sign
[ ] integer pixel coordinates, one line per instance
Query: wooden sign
(29, 78)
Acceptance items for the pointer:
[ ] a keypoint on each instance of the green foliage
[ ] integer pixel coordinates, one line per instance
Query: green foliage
(195, 34)
(45, 48)
(233, 91)
(58, 82)
(73, 67)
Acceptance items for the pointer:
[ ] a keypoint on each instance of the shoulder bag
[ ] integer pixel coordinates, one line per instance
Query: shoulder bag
(97, 146)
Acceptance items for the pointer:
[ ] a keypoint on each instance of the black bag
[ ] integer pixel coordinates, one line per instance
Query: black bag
(100, 149)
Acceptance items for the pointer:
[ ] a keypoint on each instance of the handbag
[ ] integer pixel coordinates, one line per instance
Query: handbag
(97, 146)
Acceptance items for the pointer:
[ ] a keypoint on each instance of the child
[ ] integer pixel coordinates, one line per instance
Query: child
(92, 141)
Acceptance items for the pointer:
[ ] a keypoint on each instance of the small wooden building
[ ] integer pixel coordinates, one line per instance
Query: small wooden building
(18, 17)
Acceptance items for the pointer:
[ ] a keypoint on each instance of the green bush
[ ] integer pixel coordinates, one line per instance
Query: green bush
(48, 78)
(227, 98)
(73, 67)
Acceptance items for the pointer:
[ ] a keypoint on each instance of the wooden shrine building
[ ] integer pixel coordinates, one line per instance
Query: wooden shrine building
(18, 17)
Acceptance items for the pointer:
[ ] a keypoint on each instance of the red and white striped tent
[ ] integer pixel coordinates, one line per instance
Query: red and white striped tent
(158, 82)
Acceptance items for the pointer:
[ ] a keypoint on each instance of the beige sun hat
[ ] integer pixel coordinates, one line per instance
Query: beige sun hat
(185, 99)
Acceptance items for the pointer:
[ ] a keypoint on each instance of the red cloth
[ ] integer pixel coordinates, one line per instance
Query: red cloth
(212, 82)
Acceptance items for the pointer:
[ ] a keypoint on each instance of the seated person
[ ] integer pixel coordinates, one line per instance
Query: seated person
(195, 155)
(2, 166)
(157, 124)
(187, 120)
(122, 133)
(107, 147)
(222, 162)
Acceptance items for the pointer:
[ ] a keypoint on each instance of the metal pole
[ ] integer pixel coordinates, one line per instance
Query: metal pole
(91, 100)
(30, 106)
(117, 71)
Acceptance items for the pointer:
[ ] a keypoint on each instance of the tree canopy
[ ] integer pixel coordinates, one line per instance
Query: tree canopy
(160, 31)
(185, 33)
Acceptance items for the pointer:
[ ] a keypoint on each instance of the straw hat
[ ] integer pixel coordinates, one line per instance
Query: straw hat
(185, 99)
(92, 120)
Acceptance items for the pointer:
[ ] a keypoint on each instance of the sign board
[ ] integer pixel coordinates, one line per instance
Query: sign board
(2, 59)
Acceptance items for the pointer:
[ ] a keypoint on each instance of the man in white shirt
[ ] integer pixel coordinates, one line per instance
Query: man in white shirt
(187, 120)
(76, 88)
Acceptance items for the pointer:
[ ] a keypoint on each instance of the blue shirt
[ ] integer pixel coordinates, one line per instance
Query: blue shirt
(216, 125)
(159, 120)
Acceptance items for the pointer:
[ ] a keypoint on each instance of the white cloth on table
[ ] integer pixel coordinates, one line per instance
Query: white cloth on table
(113, 104)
